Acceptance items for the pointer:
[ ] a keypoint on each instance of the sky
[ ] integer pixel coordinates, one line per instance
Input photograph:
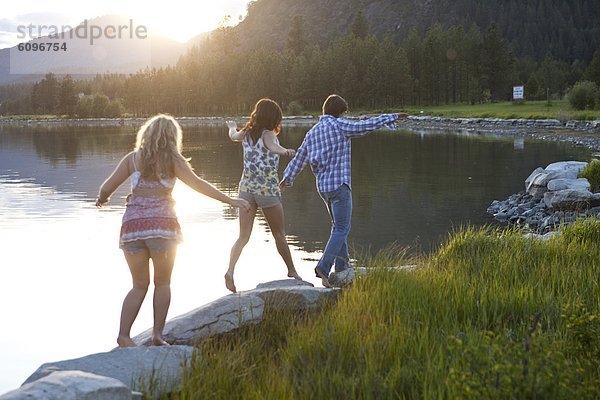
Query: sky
(177, 19)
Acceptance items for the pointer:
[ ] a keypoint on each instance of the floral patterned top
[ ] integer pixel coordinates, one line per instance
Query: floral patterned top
(260, 169)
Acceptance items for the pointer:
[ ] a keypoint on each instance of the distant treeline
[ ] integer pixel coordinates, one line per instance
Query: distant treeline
(445, 65)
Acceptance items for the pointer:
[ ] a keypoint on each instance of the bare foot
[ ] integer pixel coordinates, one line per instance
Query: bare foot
(159, 341)
(229, 282)
(125, 341)
(294, 274)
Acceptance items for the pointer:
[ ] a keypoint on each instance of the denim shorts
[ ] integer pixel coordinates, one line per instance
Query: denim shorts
(260, 201)
(158, 245)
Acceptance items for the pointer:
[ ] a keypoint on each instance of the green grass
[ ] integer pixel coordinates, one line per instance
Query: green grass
(559, 109)
(33, 116)
(491, 315)
(592, 173)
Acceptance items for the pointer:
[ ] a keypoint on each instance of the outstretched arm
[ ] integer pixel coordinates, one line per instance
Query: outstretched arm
(116, 179)
(270, 141)
(361, 128)
(184, 172)
(234, 134)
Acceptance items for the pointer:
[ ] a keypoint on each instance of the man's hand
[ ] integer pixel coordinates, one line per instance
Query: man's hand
(402, 116)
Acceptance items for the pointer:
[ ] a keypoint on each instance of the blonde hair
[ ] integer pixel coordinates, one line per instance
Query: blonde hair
(158, 145)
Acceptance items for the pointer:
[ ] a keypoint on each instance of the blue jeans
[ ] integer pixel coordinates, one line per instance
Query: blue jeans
(339, 205)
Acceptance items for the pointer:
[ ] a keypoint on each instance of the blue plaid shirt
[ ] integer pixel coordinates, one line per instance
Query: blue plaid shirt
(326, 147)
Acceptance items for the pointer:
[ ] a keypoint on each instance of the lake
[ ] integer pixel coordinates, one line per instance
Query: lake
(64, 277)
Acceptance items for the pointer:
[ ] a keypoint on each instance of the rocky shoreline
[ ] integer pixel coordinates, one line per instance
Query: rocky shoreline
(584, 133)
(554, 196)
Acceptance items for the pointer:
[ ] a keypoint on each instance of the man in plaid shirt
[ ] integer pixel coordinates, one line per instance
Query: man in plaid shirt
(326, 147)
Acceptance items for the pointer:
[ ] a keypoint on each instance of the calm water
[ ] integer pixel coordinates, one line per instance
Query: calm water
(64, 277)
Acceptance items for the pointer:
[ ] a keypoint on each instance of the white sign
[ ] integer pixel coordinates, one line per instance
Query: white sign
(518, 92)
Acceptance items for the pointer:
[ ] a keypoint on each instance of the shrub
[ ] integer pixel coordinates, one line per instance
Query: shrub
(592, 173)
(583, 95)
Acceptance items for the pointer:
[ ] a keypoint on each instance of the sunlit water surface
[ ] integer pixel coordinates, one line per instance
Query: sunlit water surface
(64, 277)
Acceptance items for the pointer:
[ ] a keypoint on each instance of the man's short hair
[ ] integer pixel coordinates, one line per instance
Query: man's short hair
(335, 105)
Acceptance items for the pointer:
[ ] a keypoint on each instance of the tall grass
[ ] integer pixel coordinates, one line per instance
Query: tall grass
(491, 315)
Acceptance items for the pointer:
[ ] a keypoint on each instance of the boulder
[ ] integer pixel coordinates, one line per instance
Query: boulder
(71, 385)
(536, 183)
(562, 184)
(535, 173)
(138, 368)
(342, 278)
(570, 199)
(240, 309)
(573, 167)
(220, 316)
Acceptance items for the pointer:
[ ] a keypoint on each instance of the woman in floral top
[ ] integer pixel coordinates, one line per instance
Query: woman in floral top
(259, 184)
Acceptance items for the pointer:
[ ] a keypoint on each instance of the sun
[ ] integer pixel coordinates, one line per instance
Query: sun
(182, 19)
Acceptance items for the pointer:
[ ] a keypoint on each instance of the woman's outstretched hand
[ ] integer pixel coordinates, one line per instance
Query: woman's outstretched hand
(402, 116)
(100, 203)
(241, 204)
(289, 153)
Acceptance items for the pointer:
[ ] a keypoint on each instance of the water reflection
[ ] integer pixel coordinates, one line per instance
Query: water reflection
(406, 187)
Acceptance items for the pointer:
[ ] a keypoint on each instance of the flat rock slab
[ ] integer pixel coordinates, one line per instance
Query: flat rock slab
(220, 316)
(136, 367)
(236, 310)
(71, 385)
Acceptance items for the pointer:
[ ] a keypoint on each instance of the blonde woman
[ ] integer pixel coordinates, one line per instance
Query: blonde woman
(150, 229)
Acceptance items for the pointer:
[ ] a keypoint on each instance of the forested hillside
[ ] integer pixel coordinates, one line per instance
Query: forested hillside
(386, 53)
(567, 29)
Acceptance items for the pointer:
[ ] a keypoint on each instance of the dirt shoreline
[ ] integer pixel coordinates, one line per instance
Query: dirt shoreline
(584, 133)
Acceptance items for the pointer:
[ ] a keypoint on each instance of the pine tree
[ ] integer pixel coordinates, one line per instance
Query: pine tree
(592, 73)
(497, 64)
(296, 41)
(67, 99)
(360, 26)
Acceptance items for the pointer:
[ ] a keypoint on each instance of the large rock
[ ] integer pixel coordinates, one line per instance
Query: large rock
(536, 183)
(240, 309)
(534, 174)
(71, 385)
(573, 167)
(562, 184)
(220, 316)
(139, 368)
(570, 199)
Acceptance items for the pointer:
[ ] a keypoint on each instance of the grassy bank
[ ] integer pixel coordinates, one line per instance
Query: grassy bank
(560, 109)
(491, 315)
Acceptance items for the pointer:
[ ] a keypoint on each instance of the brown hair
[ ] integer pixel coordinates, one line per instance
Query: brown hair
(159, 143)
(266, 115)
(335, 105)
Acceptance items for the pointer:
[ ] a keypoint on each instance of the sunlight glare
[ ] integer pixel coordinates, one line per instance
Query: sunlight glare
(182, 19)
